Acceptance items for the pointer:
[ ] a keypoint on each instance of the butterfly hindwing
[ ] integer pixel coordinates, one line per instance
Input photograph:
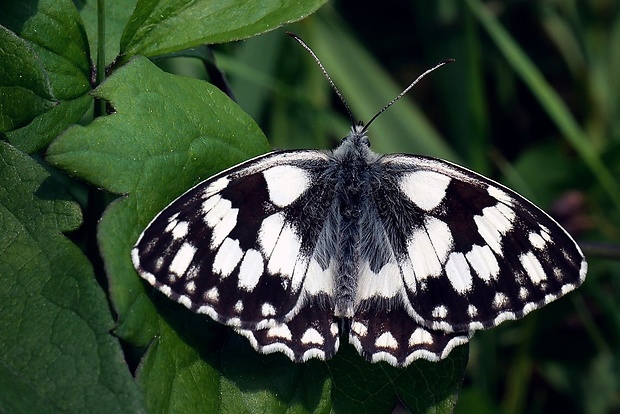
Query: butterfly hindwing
(239, 245)
(393, 336)
(312, 333)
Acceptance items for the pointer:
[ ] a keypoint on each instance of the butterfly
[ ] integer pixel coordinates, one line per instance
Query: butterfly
(406, 256)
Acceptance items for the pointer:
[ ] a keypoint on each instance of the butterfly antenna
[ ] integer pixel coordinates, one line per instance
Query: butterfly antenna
(407, 89)
(329, 79)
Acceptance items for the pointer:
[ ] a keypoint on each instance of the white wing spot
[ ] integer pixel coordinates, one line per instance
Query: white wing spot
(426, 189)
(458, 273)
(385, 284)
(299, 273)
(285, 252)
(544, 232)
(172, 222)
(280, 331)
(493, 224)
(420, 336)
(252, 268)
(165, 290)
(500, 300)
(429, 247)
(269, 232)
(533, 268)
(238, 307)
(484, 262)
(475, 326)
(234, 322)
(192, 272)
(224, 227)
(334, 329)
(185, 301)
(159, 263)
(440, 312)
(359, 328)
(267, 309)
(285, 183)
(228, 256)
(318, 280)
(178, 229)
(190, 287)
(212, 295)
(472, 311)
(209, 203)
(386, 340)
(500, 195)
(523, 293)
(440, 236)
(537, 240)
(182, 259)
(312, 336)
(216, 186)
(217, 211)
(221, 218)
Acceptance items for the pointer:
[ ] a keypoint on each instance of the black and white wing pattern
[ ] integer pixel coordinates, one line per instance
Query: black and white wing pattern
(231, 247)
(403, 256)
(471, 252)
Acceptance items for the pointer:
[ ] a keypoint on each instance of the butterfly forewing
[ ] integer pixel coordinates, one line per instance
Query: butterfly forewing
(239, 246)
(472, 252)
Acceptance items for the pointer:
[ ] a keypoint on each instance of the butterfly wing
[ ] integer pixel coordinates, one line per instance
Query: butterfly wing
(312, 333)
(239, 245)
(395, 337)
(471, 252)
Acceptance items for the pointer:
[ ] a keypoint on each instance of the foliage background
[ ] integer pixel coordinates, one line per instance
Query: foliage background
(532, 101)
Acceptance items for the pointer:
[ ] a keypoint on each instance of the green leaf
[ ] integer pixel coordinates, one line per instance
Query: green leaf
(158, 27)
(47, 68)
(174, 375)
(56, 351)
(25, 90)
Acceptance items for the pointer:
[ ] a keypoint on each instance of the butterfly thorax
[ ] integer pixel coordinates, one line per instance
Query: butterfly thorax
(353, 159)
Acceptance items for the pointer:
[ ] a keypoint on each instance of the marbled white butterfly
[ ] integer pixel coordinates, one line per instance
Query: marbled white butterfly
(404, 255)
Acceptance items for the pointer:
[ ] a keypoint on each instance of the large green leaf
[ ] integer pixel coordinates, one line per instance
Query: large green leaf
(45, 70)
(164, 26)
(56, 350)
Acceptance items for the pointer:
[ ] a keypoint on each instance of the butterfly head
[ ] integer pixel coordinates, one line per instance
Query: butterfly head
(355, 146)
(357, 137)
